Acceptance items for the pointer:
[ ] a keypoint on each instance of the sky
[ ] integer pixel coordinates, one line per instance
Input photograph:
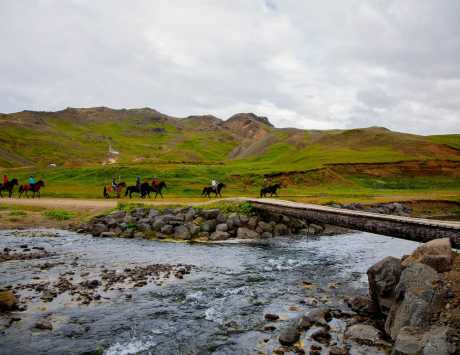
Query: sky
(307, 64)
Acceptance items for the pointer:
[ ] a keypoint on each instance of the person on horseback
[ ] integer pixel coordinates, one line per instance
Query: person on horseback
(114, 184)
(32, 181)
(214, 184)
(155, 182)
(138, 183)
(5, 180)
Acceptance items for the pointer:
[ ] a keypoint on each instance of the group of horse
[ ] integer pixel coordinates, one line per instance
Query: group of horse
(145, 189)
(23, 188)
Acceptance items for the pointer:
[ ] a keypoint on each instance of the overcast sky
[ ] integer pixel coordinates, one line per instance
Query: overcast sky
(308, 64)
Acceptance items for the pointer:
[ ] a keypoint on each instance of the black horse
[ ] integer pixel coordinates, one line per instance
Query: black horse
(130, 190)
(35, 188)
(216, 190)
(272, 189)
(147, 189)
(8, 187)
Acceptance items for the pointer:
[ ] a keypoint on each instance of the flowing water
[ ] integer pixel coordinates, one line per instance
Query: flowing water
(218, 308)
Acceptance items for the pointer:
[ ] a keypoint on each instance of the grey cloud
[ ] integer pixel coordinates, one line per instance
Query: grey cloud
(328, 64)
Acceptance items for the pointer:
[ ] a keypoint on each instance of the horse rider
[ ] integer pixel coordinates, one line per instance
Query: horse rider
(138, 183)
(5, 180)
(114, 184)
(265, 183)
(214, 184)
(32, 181)
(155, 182)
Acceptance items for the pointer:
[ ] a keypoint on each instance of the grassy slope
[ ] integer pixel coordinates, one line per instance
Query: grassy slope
(154, 144)
(452, 140)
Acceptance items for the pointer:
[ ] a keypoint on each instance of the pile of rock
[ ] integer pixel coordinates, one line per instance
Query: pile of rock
(193, 223)
(412, 294)
(413, 308)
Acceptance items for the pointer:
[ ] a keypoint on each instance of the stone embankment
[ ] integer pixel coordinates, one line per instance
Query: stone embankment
(413, 308)
(391, 208)
(199, 224)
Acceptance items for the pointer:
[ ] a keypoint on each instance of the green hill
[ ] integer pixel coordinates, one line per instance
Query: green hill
(77, 137)
(190, 150)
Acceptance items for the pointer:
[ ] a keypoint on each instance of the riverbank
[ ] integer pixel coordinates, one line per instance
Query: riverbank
(30, 213)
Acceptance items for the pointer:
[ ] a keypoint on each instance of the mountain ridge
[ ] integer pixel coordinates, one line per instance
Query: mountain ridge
(79, 136)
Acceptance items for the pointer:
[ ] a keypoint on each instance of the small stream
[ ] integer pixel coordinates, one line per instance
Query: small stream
(216, 309)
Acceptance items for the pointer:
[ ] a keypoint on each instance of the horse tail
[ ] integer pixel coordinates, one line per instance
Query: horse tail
(126, 192)
(204, 191)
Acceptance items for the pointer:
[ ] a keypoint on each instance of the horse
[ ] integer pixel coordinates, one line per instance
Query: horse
(8, 187)
(217, 190)
(272, 189)
(146, 189)
(35, 188)
(117, 191)
(133, 189)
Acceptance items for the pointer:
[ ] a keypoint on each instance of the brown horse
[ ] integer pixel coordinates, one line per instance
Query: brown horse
(8, 187)
(35, 188)
(117, 190)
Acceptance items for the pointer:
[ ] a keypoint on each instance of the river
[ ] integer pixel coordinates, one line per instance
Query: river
(218, 308)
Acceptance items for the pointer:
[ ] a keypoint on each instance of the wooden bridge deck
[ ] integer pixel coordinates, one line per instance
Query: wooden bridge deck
(416, 229)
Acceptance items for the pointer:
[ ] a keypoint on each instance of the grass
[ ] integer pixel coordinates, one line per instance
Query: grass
(58, 214)
(18, 213)
(188, 157)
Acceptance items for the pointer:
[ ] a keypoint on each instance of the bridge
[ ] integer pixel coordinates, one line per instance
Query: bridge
(415, 229)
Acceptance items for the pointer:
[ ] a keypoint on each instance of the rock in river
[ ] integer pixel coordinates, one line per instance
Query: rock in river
(8, 301)
(289, 334)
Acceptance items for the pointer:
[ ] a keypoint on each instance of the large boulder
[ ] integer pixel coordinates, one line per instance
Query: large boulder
(222, 227)
(281, 230)
(383, 278)
(436, 253)
(413, 341)
(317, 316)
(417, 299)
(219, 235)
(209, 226)
(189, 214)
(290, 334)
(139, 212)
(264, 227)
(108, 235)
(253, 221)
(98, 228)
(364, 334)
(210, 214)
(246, 233)
(8, 301)
(118, 215)
(182, 232)
(193, 228)
(167, 229)
(233, 221)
